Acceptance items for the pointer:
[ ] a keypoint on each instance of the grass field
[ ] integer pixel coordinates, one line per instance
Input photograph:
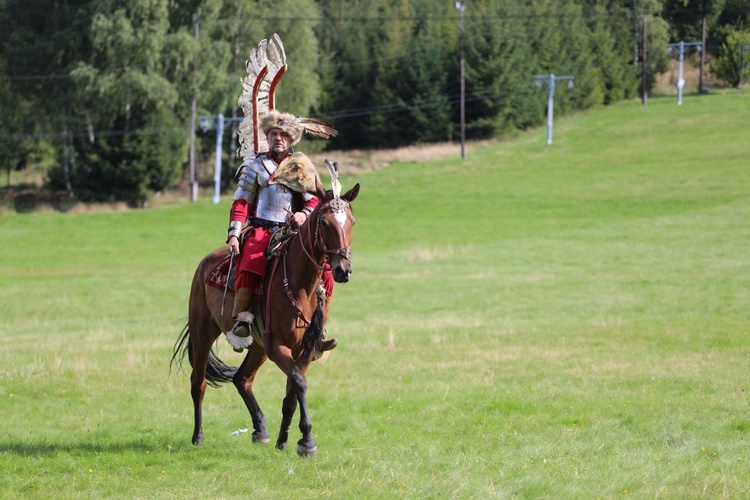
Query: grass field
(564, 322)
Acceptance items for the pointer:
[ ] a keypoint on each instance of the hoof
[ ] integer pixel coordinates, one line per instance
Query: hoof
(198, 440)
(307, 451)
(261, 439)
(281, 445)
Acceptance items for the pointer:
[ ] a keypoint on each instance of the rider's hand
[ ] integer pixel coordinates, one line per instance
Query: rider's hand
(234, 244)
(298, 218)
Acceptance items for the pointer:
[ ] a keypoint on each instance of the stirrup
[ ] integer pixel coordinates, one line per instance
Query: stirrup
(242, 326)
(239, 337)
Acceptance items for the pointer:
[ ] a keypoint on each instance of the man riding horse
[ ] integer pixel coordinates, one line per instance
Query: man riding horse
(275, 186)
(267, 202)
(277, 189)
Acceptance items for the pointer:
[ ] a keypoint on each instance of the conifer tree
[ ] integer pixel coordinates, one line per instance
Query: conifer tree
(499, 69)
(410, 92)
(351, 51)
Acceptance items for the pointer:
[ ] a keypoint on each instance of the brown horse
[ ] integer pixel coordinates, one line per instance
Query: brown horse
(294, 319)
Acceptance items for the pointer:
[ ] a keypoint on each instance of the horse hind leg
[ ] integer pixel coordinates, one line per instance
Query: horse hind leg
(198, 382)
(203, 332)
(197, 391)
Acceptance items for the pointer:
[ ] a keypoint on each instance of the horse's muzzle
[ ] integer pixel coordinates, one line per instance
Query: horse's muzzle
(342, 272)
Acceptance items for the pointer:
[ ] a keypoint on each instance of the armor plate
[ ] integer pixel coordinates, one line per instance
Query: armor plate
(247, 181)
(252, 175)
(274, 203)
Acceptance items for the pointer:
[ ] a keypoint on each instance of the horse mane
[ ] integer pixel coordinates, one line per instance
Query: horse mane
(313, 333)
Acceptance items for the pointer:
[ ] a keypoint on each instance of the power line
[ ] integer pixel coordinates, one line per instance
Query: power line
(85, 134)
(367, 19)
(339, 114)
(413, 50)
(333, 115)
(510, 16)
(34, 77)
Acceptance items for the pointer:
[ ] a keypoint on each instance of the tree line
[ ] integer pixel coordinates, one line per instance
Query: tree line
(103, 90)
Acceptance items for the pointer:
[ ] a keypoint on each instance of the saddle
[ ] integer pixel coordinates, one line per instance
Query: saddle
(222, 275)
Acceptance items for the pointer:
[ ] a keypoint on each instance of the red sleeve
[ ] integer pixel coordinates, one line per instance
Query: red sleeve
(239, 211)
(310, 204)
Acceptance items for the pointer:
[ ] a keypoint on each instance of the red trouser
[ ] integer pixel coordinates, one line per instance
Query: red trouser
(252, 263)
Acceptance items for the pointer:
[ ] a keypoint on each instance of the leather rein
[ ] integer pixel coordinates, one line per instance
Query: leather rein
(335, 205)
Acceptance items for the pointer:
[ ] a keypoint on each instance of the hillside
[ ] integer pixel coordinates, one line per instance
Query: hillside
(564, 321)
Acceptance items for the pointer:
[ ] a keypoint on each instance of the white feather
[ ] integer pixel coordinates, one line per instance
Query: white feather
(272, 57)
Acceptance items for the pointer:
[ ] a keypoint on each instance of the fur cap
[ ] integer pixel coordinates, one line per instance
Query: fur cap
(294, 126)
(287, 122)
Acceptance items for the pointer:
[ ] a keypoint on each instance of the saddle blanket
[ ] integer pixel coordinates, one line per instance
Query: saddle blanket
(221, 275)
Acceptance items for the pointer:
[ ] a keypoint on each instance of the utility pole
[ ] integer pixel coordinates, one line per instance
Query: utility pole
(193, 112)
(220, 122)
(680, 80)
(461, 7)
(701, 85)
(551, 83)
(217, 162)
(635, 34)
(744, 47)
(644, 80)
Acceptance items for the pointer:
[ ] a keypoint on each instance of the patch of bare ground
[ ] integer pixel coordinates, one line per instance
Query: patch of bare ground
(359, 161)
(666, 83)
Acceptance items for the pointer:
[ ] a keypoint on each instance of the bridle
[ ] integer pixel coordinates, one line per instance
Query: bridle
(339, 207)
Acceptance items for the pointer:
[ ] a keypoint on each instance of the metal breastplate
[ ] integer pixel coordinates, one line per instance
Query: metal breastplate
(274, 203)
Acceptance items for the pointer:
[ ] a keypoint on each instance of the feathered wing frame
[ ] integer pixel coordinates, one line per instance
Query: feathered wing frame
(265, 68)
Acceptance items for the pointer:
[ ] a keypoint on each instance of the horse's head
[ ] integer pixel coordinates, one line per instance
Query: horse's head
(334, 230)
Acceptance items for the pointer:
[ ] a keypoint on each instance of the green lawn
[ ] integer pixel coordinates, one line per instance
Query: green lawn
(566, 321)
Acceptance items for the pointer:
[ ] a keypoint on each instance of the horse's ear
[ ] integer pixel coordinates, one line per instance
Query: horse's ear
(351, 194)
(320, 191)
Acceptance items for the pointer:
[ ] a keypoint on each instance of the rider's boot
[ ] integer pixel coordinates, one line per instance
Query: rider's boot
(328, 344)
(241, 312)
(325, 345)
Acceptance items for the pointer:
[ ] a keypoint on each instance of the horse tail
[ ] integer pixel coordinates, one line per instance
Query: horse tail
(314, 332)
(181, 347)
(216, 371)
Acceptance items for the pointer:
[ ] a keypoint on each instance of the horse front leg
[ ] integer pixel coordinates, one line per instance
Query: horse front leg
(243, 381)
(306, 447)
(288, 407)
(296, 394)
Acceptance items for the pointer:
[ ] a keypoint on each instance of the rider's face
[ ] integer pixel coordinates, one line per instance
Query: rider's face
(278, 140)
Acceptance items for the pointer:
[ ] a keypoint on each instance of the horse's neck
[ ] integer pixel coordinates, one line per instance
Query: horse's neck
(305, 258)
